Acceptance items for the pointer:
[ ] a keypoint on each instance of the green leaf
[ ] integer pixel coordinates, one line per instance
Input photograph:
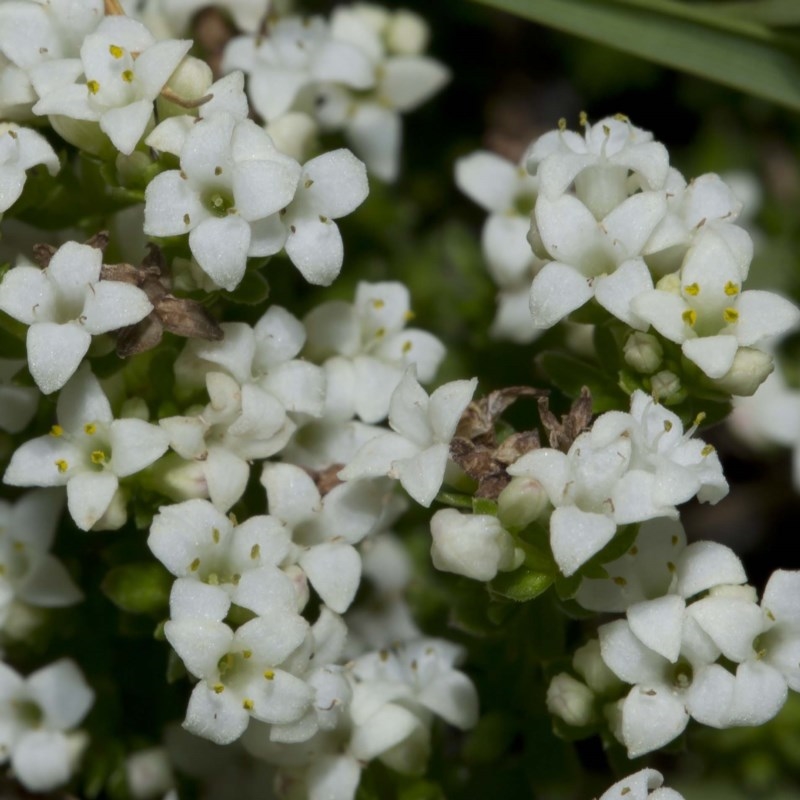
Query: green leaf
(718, 47)
(139, 588)
(455, 500)
(252, 291)
(774, 13)
(482, 505)
(421, 790)
(490, 738)
(521, 585)
(571, 374)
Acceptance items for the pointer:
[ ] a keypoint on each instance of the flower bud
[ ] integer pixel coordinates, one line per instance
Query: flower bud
(190, 81)
(116, 515)
(665, 386)
(407, 33)
(148, 773)
(571, 700)
(749, 370)
(521, 502)
(589, 664)
(737, 592)
(294, 134)
(643, 352)
(473, 545)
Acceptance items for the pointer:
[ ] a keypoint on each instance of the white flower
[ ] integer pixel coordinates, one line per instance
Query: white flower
(296, 54)
(638, 787)
(39, 714)
(704, 310)
(508, 193)
(330, 186)
(244, 673)
(570, 700)
(599, 163)
(591, 258)
(65, 305)
(474, 545)
(231, 181)
(196, 541)
(120, 88)
(365, 348)
(416, 452)
(21, 149)
(28, 572)
(88, 451)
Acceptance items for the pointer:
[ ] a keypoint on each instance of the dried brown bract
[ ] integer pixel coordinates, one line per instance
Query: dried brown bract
(561, 434)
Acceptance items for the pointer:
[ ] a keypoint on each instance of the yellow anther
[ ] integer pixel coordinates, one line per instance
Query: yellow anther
(667, 425)
(127, 76)
(407, 345)
(116, 50)
(93, 86)
(269, 674)
(377, 303)
(247, 653)
(62, 465)
(707, 450)
(606, 131)
(215, 535)
(218, 688)
(308, 183)
(770, 615)
(213, 579)
(19, 547)
(674, 541)
(633, 551)
(730, 315)
(621, 117)
(671, 567)
(235, 579)
(218, 170)
(255, 551)
(2, 569)
(195, 565)
(380, 333)
(248, 704)
(699, 418)
(692, 289)
(731, 289)
(56, 430)
(620, 581)
(98, 457)
(689, 317)
(409, 315)
(90, 428)
(562, 124)
(583, 119)
(187, 219)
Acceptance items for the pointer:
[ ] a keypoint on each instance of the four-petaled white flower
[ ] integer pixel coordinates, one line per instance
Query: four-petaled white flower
(88, 451)
(39, 714)
(21, 149)
(65, 305)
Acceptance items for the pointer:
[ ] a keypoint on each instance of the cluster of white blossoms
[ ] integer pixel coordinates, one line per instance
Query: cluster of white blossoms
(264, 457)
(694, 643)
(612, 223)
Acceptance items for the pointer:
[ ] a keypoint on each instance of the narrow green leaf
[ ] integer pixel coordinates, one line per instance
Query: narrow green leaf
(747, 58)
(774, 13)
(571, 374)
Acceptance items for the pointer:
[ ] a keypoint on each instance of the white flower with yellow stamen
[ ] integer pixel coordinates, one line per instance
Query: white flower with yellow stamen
(125, 69)
(88, 451)
(704, 309)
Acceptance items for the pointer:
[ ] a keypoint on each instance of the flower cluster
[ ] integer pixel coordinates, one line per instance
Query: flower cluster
(614, 224)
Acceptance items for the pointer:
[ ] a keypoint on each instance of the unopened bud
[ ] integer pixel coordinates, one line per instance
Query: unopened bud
(407, 34)
(294, 134)
(589, 664)
(571, 700)
(736, 592)
(749, 370)
(473, 545)
(190, 81)
(643, 352)
(521, 502)
(148, 773)
(665, 386)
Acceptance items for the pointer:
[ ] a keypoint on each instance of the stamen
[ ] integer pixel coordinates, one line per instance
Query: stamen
(731, 289)
(90, 428)
(116, 51)
(93, 86)
(730, 315)
(56, 431)
(692, 289)
(62, 465)
(689, 317)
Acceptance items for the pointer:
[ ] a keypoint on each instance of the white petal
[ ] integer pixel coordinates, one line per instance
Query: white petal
(616, 292)
(125, 125)
(782, 596)
(262, 188)
(658, 624)
(334, 570)
(135, 444)
(89, 495)
(705, 564)
(217, 717)
(422, 475)
(408, 81)
(732, 623)
(55, 352)
(758, 695)
(713, 354)
(575, 536)
(488, 179)
(62, 693)
(339, 183)
(227, 475)
(112, 305)
(557, 290)
(650, 719)
(763, 314)
(375, 134)
(447, 404)
(220, 247)
(315, 247)
(42, 760)
(627, 657)
(172, 205)
(292, 495)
